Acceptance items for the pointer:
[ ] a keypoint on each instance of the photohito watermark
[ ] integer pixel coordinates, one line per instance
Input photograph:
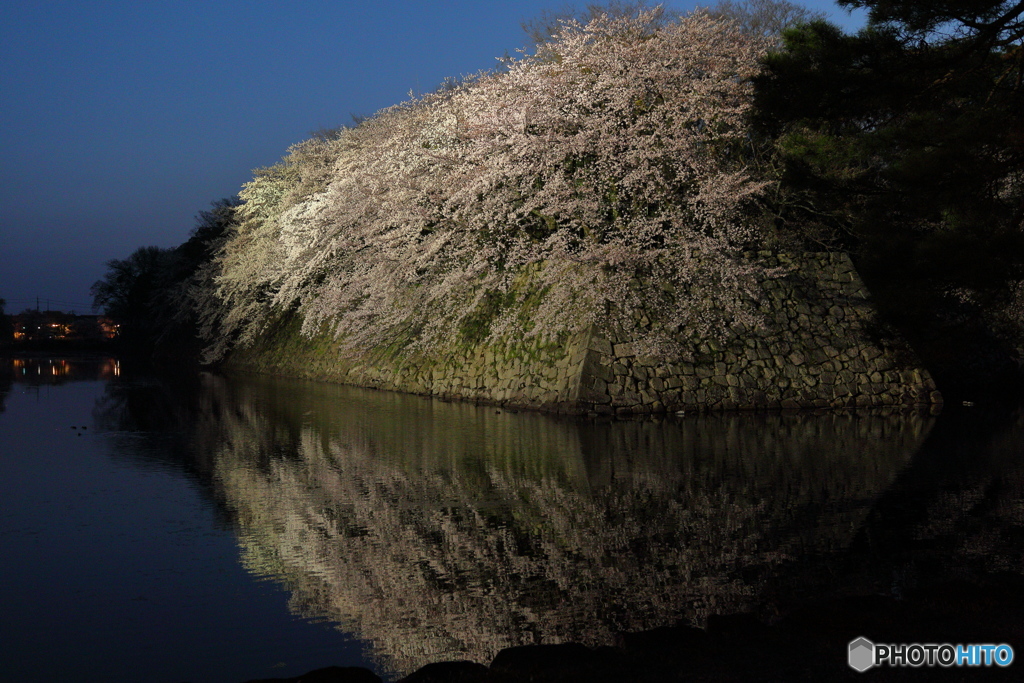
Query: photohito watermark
(863, 654)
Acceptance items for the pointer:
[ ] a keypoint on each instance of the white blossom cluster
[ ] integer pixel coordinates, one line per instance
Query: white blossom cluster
(611, 166)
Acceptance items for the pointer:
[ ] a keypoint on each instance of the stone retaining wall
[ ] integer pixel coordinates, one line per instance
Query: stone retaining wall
(816, 350)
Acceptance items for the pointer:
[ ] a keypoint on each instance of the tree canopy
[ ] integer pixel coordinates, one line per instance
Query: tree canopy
(904, 143)
(6, 327)
(148, 292)
(617, 152)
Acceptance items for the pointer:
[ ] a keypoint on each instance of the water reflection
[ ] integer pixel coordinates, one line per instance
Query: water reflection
(6, 382)
(440, 531)
(53, 371)
(446, 531)
(50, 371)
(956, 513)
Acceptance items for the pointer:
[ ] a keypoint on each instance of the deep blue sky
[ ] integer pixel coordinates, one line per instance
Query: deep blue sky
(120, 121)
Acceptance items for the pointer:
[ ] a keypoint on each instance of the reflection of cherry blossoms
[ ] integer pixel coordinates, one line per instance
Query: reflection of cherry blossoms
(442, 532)
(611, 159)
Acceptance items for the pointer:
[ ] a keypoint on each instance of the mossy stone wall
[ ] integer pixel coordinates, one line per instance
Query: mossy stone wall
(819, 348)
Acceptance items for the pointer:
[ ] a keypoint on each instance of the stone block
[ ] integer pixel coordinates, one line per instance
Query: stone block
(816, 356)
(624, 350)
(591, 395)
(603, 372)
(748, 382)
(600, 345)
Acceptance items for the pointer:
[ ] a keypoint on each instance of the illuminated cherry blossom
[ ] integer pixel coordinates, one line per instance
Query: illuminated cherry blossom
(608, 171)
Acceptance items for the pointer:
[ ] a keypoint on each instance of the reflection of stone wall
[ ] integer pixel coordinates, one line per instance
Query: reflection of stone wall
(815, 351)
(959, 515)
(442, 531)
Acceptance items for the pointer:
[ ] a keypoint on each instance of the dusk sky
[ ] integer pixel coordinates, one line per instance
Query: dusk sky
(122, 120)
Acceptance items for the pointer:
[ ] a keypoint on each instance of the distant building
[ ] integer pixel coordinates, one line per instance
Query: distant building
(34, 325)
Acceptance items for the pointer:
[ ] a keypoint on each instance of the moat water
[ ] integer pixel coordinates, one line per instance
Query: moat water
(196, 527)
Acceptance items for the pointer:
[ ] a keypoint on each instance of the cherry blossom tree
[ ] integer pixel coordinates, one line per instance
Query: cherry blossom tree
(607, 173)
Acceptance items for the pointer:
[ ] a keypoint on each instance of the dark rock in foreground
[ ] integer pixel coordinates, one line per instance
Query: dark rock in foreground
(330, 674)
(809, 644)
(449, 672)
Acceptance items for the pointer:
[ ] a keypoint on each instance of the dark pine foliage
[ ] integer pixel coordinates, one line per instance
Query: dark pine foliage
(904, 144)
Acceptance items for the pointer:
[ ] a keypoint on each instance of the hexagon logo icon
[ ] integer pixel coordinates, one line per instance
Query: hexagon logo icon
(862, 654)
